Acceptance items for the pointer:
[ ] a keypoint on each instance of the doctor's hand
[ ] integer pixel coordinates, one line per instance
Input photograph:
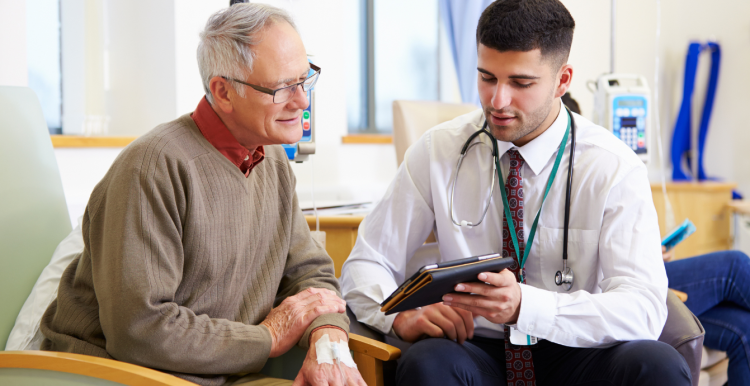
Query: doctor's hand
(435, 320)
(497, 298)
(323, 374)
(290, 319)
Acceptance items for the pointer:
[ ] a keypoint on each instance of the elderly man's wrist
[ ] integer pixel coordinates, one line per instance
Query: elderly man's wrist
(327, 326)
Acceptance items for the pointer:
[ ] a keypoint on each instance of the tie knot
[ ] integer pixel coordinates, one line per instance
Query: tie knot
(514, 155)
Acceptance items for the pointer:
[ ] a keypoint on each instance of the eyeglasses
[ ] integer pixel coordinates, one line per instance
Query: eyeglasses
(281, 95)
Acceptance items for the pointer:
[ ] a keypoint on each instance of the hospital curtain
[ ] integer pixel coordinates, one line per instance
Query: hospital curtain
(460, 19)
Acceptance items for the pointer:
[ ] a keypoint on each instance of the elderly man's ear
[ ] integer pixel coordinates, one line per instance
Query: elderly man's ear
(222, 92)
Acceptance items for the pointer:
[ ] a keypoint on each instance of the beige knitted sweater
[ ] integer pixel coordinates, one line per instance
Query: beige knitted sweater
(184, 257)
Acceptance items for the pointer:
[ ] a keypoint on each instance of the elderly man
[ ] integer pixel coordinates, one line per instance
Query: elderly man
(195, 233)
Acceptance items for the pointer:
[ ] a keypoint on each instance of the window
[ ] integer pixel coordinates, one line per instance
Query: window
(43, 58)
(396, 55)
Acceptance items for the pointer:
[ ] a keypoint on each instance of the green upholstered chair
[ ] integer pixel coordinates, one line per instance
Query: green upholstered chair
(33, 220)
(33, 213)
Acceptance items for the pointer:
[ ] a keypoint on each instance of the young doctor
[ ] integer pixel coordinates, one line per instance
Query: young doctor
(603, 329)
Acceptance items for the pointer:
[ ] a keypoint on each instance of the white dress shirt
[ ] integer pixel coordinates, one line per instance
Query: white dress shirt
(620, 286)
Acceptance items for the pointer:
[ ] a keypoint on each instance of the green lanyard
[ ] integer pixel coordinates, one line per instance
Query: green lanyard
(509, 218)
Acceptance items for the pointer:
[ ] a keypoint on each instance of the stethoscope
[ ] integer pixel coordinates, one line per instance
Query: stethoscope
(565, 276)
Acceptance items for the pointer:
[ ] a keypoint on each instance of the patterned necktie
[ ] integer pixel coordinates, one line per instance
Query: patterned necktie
(518, 362)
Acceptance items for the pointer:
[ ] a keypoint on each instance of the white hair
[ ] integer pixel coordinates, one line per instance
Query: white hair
(226, 46)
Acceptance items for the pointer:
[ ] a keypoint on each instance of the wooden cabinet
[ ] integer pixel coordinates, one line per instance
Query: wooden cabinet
(341, 234)
(706, 204)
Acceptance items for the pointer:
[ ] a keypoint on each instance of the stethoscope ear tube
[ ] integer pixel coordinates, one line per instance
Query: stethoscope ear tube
(468, 145)
(484, 130)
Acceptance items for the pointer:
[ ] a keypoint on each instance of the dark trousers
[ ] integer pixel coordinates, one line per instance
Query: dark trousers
(481, 361)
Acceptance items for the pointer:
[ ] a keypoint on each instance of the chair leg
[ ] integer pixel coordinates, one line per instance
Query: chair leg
(370, 368)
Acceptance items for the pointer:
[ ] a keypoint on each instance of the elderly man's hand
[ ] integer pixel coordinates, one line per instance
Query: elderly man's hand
(314, 374)
(290, 319)
(498, 298)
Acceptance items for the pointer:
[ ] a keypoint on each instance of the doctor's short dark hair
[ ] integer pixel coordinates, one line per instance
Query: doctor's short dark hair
(525, 25)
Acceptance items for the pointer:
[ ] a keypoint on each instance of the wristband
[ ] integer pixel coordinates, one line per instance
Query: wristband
(325, 326)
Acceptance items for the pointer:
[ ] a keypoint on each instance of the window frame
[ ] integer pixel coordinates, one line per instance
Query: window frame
(371, 131)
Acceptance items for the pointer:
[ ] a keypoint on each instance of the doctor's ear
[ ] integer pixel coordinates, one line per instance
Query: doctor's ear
(564, 79)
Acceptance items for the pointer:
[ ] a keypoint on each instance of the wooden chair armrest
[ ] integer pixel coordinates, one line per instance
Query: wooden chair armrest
(680, 295)
(90, 366)
(373, 348)
(369, 355)
(134, 375)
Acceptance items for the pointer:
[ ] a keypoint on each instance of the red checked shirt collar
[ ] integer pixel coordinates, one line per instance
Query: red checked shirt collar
(217, 134)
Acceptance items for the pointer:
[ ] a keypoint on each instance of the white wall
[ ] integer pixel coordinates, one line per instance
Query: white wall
(350, 171)
(726, 21)
(190, 17)
(142, 87)
(13, 69)
(154, 78)
(78, 185)
(73, 60)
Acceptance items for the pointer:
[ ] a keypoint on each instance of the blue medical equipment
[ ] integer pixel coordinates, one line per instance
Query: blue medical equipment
(622, 105)
(301, 151)
(685, 229)
(681, 139)
(564, 276)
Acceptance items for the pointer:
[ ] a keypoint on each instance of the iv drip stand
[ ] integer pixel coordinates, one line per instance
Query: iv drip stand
(612, 38)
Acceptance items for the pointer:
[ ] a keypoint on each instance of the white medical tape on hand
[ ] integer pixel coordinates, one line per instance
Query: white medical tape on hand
(342, 353)
(328, 351)
(323, 350)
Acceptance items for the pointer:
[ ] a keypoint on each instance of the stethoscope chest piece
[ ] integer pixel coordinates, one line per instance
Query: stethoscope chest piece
(565, 277)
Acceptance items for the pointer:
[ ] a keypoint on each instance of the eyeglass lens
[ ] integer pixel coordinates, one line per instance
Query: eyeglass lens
(286, 93)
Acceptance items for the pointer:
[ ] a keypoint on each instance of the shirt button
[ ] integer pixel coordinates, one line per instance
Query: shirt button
(531, 327)
(247, 157)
